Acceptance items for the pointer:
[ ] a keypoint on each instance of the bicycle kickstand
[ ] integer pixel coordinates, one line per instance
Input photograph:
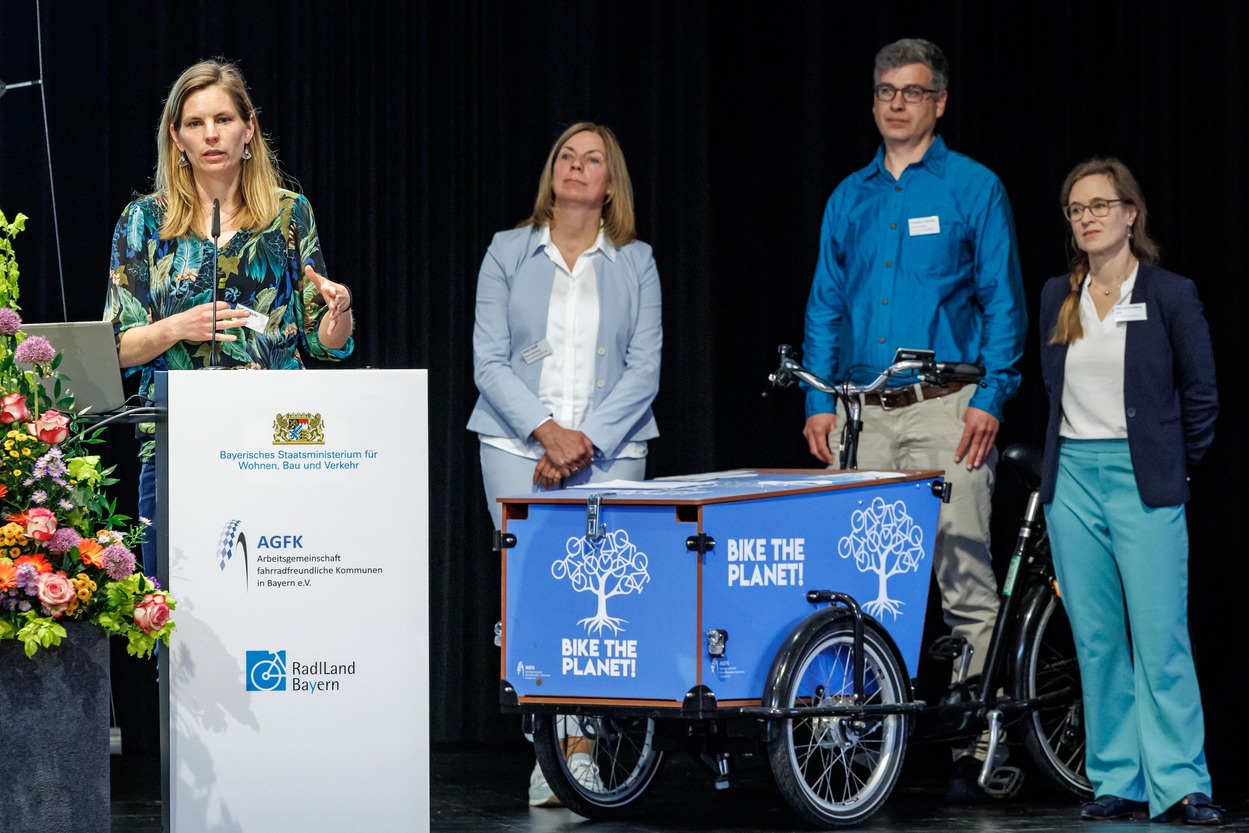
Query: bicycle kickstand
(1001, 781)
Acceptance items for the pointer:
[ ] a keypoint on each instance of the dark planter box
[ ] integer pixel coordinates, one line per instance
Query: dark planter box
(54, 735)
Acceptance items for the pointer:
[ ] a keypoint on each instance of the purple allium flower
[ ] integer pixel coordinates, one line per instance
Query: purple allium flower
(10, 321)
(38, 496)
(118, 562)
(34, 350)
(63, 540)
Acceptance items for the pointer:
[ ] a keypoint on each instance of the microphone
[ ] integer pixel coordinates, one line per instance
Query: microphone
(216, 235)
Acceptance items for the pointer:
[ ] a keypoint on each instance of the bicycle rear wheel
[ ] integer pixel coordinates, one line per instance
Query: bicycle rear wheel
(597, 766)
(1046, 667)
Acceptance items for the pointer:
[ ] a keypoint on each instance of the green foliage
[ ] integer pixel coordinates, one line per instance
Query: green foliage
(8, 261)
(39, 632)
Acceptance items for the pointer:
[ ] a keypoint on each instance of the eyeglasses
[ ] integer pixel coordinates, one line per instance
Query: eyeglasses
(911, 94)
(1098, 208)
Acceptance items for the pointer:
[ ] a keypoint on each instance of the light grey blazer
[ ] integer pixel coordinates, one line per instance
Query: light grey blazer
(513, 295)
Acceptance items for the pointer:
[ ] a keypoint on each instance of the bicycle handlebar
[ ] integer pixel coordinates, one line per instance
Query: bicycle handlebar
(927, 370)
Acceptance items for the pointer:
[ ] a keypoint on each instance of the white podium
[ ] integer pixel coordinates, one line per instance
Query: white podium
(294, 527)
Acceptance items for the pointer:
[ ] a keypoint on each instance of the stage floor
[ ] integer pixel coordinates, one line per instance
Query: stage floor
(477, 790)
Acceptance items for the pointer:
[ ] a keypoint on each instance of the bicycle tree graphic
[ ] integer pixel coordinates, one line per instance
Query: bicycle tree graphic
(883, 540)
(607, 566)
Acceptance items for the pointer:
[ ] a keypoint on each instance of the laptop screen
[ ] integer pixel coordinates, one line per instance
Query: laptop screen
(89, 358)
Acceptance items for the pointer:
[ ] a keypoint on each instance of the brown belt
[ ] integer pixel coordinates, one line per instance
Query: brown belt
(890, 398)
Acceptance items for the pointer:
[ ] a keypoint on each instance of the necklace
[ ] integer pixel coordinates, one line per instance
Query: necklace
(1118, 284)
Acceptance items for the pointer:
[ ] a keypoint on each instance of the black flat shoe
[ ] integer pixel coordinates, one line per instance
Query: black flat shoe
(1198, 808)
(1106, 807)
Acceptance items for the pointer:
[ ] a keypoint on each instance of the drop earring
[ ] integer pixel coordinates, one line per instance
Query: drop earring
(182, 163)
(247, 152)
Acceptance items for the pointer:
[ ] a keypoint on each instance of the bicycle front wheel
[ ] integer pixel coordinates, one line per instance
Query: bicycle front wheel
(838, 770)
(1046, 669)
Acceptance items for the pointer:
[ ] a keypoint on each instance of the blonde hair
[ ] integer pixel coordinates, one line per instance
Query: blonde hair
(175, 184)
(619, 225)
(1067, 329)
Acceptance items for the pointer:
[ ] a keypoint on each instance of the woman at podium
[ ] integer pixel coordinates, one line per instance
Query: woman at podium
(567, 338)
(218, 208)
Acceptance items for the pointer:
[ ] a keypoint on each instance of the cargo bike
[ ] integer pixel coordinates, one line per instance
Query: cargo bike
(769, 611)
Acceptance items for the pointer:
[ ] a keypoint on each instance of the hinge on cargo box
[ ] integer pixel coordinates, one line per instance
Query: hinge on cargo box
(503, 540)
(702, 543)
(593, 510)
(942, 489)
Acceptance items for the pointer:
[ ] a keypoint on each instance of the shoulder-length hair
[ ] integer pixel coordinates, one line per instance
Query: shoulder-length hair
(619, 224)
(1067, 329)
(175, 184)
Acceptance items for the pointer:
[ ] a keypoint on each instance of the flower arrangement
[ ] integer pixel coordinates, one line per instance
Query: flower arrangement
(65, 553)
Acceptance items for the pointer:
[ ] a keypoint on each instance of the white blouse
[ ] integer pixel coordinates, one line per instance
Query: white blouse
(1092, 402)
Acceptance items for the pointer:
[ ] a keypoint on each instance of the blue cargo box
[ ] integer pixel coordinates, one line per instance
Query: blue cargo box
(622, 617)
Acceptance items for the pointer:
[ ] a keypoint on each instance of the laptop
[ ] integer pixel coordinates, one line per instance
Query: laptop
(89, 358)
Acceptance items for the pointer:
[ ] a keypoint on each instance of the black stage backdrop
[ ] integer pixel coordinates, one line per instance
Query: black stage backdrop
(419, 130)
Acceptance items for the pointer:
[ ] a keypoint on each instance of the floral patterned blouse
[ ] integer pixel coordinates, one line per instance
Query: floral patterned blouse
(153, 279)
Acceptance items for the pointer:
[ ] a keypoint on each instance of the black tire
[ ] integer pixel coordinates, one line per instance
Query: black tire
(622, 749)
(1046, 666)
(837, 771)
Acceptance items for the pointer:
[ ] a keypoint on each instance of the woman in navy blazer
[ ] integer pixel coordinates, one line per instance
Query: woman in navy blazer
(566, 345)
(1129, 368)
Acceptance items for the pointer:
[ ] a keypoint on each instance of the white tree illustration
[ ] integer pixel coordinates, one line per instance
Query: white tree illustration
(607, 566)
(883, 540)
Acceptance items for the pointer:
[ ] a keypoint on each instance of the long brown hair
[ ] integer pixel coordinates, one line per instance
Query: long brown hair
(1067, 329)
(619, 225)
(175, 184)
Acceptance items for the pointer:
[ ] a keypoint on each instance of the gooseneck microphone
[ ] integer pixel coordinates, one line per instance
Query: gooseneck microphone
(216, 235)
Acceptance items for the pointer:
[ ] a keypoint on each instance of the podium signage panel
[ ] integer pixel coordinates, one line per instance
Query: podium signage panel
(297, 536)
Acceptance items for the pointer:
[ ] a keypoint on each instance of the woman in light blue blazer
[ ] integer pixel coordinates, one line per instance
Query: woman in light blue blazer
(566, 347)
(568, 332)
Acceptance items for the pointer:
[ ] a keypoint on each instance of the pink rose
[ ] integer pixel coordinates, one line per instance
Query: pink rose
(52, 427)
(13, 408)
(55, 591)
(40, 523)
(152, 613)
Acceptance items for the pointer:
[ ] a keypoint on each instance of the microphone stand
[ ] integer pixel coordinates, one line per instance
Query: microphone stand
(216, 236)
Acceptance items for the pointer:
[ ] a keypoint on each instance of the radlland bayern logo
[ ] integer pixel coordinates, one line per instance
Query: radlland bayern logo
(266, 670)
(298, 429)
(270, 671)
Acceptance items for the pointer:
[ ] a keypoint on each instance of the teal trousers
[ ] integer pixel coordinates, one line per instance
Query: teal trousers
(1123, 572)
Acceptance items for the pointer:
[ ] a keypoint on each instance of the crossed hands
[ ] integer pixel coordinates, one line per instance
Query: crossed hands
(567, 452)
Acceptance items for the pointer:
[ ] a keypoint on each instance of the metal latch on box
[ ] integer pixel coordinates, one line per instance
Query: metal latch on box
(594, 528)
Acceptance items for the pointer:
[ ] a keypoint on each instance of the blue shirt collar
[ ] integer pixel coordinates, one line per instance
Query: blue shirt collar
(933, 161)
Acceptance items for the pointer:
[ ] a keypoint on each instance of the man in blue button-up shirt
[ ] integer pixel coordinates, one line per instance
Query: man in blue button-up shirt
(918, 250)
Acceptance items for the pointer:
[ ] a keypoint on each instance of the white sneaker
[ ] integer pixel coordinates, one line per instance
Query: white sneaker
(540, 794)
(584, 771)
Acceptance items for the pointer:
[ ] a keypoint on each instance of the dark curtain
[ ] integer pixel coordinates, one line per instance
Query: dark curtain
(418, 130)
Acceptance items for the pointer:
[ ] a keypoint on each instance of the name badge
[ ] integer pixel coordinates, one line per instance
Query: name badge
(920, 226)
(1130, 312)
(256, 321)
(536, 352)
